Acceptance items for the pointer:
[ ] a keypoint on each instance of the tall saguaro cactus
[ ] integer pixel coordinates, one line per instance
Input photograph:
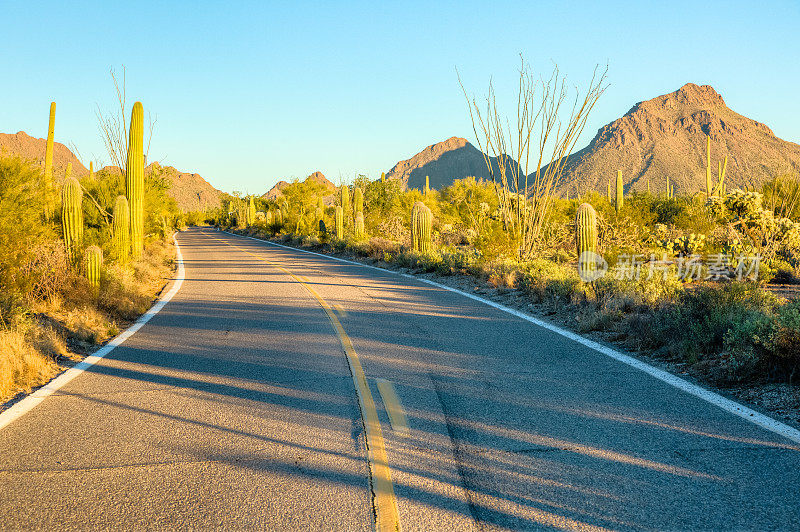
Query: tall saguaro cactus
(427, 185)
(358, 228)
(134, 179)
(72, 216)
(586, 240)
(339, 222)
(91, 171)
(49, 186)
(421, 228)
(121, 229)
(93, 264)
(709, 185)
(251, 212)
(619, 199)
(358, 200)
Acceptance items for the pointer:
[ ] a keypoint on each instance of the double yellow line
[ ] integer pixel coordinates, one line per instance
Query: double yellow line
(384, 502)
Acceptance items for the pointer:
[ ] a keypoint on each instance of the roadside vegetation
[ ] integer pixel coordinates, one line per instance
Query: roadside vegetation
(74, 269)
(718, 316)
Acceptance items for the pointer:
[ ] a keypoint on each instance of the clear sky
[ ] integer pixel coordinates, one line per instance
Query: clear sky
(252, 92)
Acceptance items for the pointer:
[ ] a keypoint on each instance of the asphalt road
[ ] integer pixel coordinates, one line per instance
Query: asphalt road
(236, 407)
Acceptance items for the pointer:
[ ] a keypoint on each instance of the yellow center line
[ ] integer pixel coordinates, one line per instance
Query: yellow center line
(384, 501)
(394, 409)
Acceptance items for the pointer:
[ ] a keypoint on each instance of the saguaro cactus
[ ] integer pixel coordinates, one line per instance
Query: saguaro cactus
(358, 228)
(122, 229)
(49, 186)
(93, 264)
(72, 216)
(620, 196)
(358, 200)
(608, 191)
(427, 185)
(339, 222)
(344, 197)
(586, 240)
(134, 179)
(251, 212)
(709, 185)
(91, 171)
(383, 177)
(421, 227)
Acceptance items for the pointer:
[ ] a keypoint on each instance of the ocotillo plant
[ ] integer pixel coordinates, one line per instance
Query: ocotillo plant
(339, 222)
(134, 179)
(421, 227)
(358, 200)
(72, 216)
(620, 196)
(122, 229)
(586, 240)
(92, 264)
(49, 186)
(251, 212)
(358, 228)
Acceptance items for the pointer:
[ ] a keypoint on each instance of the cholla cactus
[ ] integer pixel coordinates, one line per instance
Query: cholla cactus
(93, 264)
(339, 222)
(72, 216)
(358, 228)
(421, 228)
(121, 229)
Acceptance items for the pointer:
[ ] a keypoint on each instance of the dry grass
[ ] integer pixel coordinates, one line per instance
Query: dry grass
(66, 311)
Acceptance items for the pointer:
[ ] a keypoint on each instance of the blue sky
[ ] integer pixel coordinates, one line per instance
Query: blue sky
(253, 92)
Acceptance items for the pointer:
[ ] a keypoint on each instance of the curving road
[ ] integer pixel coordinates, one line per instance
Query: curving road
(239, 405)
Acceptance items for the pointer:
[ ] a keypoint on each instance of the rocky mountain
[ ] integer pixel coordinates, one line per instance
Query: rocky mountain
(33, 148)
(666, 137)
(191, 191)
(276, 191)
(442, 162)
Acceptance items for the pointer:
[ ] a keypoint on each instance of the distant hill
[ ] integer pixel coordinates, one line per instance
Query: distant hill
(442, 162)
(32, 148)
(666, 137)
(191, 191)
(276, 191)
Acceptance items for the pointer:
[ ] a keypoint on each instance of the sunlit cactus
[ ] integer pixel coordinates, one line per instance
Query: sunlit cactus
(383, 177)
(93, 264)
(268, 217)
(619, 198)
(49, 185)
(344, 197)
(319, 214)
(134, 179)
(279, 217)
(284, 212)
(358, 200)
(251, 212)
(358, 228)
(339, 222)
(586, 240)
(121, 229)
(72, 216)
(427, 185)
(709, 185)
(91, 171)
(421, 228)
(608, 191)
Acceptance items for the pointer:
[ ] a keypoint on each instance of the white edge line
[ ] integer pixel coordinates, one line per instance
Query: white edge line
(757, 418)
(28, 403)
